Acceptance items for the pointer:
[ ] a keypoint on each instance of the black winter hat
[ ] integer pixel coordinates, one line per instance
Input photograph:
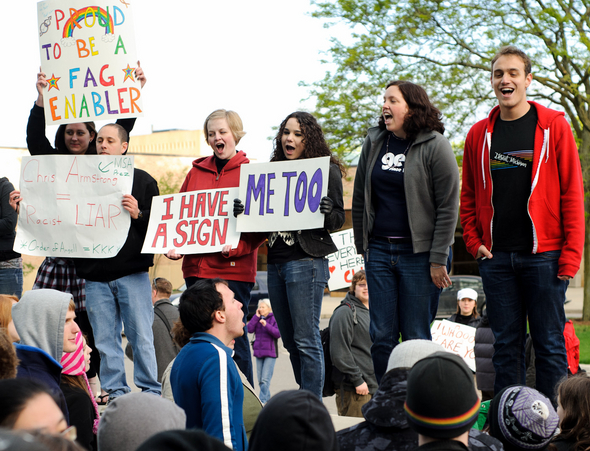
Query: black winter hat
(441, 400)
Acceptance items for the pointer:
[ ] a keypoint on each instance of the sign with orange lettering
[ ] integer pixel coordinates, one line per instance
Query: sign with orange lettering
(89, 58)
(71, 205)
(456, 338)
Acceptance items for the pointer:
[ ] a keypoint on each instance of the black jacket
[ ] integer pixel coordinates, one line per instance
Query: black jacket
(8, 219)
(484, 351)
(129, 260)
(318, 242)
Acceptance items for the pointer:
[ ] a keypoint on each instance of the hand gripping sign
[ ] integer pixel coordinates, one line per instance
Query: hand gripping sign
(89, 58)
(71, 205)
(195, 222)
(283, 196)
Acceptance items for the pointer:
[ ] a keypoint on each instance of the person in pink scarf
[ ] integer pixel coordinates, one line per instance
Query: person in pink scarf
(76, 389)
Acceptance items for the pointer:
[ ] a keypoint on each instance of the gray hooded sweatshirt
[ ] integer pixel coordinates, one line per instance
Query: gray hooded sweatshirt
(40, 317)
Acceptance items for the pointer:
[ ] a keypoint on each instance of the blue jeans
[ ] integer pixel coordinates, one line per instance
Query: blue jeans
(242, 354)
(265, 367)
(402, 298)
(127, 299)
(296, 290)
(11, 281)
(520, 285)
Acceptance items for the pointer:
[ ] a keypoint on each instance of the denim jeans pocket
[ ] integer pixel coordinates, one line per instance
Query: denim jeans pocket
(550, 255)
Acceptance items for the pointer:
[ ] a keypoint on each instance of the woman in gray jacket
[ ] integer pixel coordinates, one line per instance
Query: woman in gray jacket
(404, 212)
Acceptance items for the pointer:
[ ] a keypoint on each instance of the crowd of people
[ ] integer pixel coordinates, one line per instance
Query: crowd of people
(521, 207)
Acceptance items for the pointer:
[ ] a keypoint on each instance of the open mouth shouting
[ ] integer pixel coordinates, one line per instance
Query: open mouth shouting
(506, 92)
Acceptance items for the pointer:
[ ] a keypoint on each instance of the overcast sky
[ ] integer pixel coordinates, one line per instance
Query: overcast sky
(198, 56)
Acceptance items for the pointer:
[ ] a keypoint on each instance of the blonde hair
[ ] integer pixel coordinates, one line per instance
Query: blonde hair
(233, 121)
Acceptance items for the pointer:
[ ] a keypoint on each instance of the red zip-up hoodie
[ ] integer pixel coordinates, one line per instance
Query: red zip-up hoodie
(240, 264)
(556, 201)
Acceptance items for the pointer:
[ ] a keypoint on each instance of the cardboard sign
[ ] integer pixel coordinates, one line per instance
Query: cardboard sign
(71, 205)
(456, 338)
(195, 222)
(345, 262)
(283, 196)
(88, 54)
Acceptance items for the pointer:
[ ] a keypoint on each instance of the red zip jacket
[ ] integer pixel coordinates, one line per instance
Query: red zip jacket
(240, 264)
(556, 202)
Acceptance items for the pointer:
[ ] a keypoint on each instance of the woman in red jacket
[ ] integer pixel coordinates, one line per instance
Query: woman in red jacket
(224, 130)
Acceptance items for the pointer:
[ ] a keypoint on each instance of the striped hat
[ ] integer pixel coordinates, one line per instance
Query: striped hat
(441, 401)
(73, 362)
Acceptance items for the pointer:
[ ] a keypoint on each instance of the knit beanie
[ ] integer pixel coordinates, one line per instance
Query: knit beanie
(407, 353)
(522, 418)
(131, 419)
(441, 401)
(183, 440)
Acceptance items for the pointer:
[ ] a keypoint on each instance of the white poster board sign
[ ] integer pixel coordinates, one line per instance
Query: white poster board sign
(88, 54)
(71, 205)
(283, 196)
(345, 262)
(195, 222)
(456, 338)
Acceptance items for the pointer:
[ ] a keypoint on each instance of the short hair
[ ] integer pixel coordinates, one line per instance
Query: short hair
(199, 303)
(60, 138)
(266, 302)
(180, 335)
(512, 50)
(162, 285)
(233, 121)
(359, 276)
(6, 309)
(72, 306)
(421, 115)
(123, 135)
(14, 396)
(8, 358)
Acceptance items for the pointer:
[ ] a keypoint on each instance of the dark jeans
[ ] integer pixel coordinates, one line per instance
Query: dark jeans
(519, 285)
(242, 354)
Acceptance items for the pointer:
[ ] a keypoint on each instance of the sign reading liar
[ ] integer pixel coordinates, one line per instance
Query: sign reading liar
(88, 55)
(195, 222)
(456, 338)
(283, 196)
(345, 262)
(71, 205)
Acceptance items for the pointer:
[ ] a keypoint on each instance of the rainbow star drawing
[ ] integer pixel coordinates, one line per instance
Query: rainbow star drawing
(53, 82)
(128, 73)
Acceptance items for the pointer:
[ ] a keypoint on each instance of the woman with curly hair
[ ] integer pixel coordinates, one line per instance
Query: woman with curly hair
(297, 264)
(573, 409)
(404, 214)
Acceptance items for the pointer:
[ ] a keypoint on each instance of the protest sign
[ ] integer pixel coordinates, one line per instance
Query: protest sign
(195, 222)
(283, 196)
(88, 55)
(71, 205)
(456, 338)
(345, 262)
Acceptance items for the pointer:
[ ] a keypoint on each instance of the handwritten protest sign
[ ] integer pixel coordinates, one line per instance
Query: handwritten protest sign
(195, 222)
(345, 262)
(71, 205)
(283, 196)
(88, 54)
(456, 338)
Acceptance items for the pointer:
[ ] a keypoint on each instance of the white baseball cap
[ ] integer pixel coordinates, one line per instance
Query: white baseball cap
(467, 293)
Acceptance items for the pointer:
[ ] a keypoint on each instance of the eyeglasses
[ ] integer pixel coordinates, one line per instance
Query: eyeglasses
(71, 433)
(155, 281)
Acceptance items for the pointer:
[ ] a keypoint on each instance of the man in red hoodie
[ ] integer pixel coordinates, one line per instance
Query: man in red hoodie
(522, 212)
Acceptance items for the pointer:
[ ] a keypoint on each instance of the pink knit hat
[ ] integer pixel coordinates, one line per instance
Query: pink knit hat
(73, 362)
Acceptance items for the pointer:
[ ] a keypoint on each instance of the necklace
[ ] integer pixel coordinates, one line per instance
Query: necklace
(399, 139)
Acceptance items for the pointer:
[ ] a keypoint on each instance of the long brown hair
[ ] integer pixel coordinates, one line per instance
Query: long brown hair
(574, 398)
(315, 144)
(421, 115)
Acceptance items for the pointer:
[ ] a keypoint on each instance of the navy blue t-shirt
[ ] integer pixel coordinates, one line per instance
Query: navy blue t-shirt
(387, 187)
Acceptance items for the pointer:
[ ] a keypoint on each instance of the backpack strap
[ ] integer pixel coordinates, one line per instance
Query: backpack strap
(164, 319)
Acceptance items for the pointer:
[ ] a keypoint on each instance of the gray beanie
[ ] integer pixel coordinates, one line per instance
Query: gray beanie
(131, 419)
(407, 353)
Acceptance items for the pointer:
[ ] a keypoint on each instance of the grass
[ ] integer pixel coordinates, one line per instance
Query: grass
(583, 332)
